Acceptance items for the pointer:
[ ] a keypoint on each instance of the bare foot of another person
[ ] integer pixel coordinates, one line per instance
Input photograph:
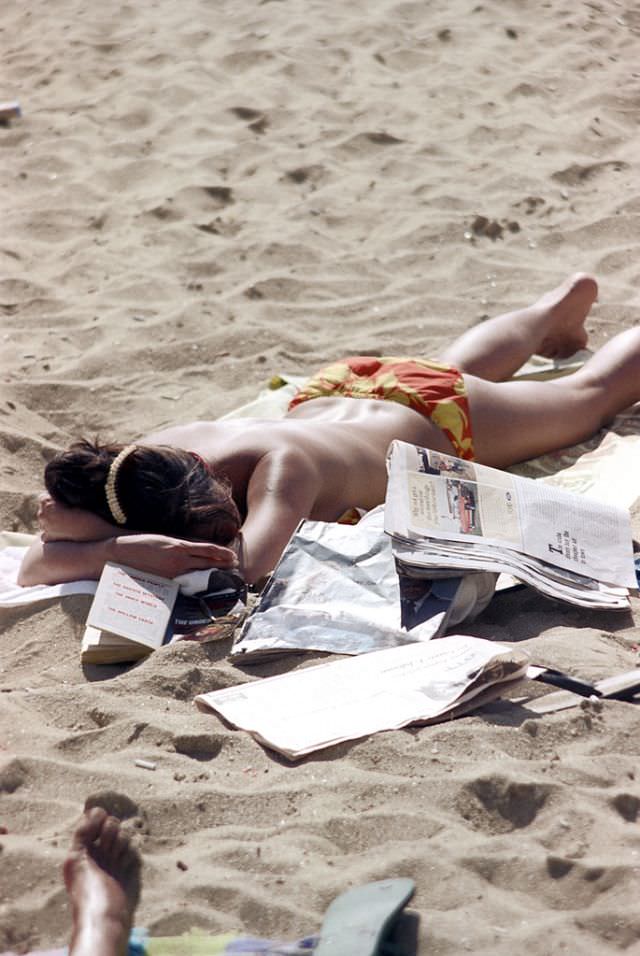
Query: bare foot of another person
(102, 876)
(568, 307)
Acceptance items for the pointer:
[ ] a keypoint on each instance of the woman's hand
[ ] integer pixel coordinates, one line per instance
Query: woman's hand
(59, 522)
(168, 557)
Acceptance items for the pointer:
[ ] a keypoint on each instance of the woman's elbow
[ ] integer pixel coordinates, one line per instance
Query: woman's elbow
(28, 575)
(33, 570)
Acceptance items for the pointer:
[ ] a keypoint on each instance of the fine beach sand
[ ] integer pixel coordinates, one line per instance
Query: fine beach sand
(201, 195)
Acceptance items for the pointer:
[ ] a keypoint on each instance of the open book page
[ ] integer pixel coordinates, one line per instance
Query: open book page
(133, 604)
(304, 711)
(438, 496)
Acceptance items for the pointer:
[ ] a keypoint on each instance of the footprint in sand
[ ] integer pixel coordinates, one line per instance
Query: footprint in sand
(627, 805)
(13, 774)
(303, 174)
(497, 804)
(201, 747)
(256, 120)
(367, 143)
(576, 174)
(192, 201)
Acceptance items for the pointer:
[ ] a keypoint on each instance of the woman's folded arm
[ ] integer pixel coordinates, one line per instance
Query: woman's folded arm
(56, 562)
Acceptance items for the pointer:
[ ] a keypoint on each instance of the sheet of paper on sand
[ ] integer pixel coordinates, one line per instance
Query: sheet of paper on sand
(336, 589)
(606, 473)
(446, 514)
(318, 706)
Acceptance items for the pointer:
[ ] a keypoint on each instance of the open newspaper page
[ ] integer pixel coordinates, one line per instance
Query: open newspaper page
(309, 709)
(444, 511)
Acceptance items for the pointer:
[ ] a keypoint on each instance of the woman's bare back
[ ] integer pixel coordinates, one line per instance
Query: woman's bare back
(344, 440)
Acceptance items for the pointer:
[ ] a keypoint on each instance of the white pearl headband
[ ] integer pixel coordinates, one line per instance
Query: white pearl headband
(115, 507)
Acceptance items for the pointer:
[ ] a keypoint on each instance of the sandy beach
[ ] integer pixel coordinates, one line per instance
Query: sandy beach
(200, 196)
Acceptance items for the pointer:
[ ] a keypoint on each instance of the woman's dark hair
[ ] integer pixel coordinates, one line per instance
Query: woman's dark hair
(161, 490)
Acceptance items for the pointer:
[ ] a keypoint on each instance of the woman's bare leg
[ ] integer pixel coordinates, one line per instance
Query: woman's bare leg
(513, 421)
(102, 876)
(553, 326)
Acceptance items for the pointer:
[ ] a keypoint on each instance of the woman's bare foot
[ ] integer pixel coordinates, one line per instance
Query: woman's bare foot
(102, 876)
(567, 307)
(552, 326)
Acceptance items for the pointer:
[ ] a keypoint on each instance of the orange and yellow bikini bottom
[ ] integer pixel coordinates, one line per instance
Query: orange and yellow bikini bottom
(434, 390)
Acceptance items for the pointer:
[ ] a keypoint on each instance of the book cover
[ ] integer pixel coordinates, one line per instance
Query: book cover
(129, 615)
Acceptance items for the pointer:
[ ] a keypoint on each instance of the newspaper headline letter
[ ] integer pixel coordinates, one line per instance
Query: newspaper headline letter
(433, 495)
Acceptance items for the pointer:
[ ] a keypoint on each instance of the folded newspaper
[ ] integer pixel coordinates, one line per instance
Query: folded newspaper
(445, 515)
(318, 706)
(336, 589)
